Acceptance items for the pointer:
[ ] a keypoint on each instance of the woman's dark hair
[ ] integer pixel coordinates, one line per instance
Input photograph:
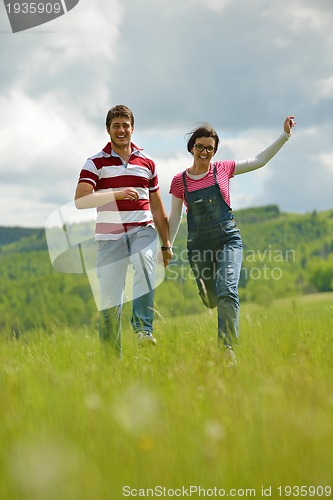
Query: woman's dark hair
(202, 131)
(119, 111)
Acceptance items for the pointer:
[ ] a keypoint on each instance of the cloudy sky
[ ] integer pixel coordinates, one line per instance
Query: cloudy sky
(241, 65)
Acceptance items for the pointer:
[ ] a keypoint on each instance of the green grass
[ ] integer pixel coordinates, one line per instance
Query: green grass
(77, 425)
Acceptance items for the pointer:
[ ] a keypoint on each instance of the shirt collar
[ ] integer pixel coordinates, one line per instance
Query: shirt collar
(109, 151)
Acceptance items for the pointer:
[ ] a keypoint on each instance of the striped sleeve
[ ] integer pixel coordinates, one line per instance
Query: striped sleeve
(177, 186)
(89, 173)
(153, 181)
(228, 166)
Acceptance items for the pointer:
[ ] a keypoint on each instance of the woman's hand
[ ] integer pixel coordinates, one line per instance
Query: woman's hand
(167, 256)
(289, 123)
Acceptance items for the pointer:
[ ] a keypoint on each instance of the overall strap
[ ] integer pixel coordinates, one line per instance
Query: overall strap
(185, 186)
(185, 183)
(215, 175)
(218, 185)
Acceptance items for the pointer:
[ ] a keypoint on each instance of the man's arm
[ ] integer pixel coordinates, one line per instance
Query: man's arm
(161, 223)
(86, 197)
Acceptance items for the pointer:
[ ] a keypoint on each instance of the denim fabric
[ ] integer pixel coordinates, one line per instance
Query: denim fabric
(215, 254)
(113, 260)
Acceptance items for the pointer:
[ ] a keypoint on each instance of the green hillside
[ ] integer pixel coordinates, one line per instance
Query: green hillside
(285, 255)
(11, 234)
(18, 240)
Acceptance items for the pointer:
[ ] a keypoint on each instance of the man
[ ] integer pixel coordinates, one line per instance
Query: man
(122, 183)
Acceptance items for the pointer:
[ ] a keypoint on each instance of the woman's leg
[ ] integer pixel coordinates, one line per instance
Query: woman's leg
(229, 263)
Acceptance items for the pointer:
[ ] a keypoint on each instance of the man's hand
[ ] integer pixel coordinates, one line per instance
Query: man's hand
(126, 194)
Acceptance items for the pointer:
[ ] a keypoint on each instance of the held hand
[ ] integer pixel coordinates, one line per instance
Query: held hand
(289, 123)
(127, 194)
(165, 256)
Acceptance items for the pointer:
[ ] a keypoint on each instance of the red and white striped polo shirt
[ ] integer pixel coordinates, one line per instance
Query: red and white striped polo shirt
(224, 170)
(107, 170)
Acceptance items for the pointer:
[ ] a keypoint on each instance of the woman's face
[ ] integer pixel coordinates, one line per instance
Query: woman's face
(203, 150)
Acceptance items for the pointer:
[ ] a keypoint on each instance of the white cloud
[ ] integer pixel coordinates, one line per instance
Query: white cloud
(301, 15)
(325, 88)
(309, 17)
(41, 161)
(215, 5)
(251, 143)
(302, 176)
(20, 206)
(90, 31)
(167, 169)
(326, 159)
(248, 189)
(44, 131)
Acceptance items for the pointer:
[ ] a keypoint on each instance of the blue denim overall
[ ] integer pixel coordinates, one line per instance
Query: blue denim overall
(214, 248)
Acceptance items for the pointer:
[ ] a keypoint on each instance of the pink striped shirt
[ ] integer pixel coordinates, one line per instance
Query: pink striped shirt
(106, 170)
(224, 170)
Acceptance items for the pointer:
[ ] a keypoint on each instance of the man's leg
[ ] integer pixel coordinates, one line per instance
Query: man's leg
(143, 258)
(111, 273)
(109, 329)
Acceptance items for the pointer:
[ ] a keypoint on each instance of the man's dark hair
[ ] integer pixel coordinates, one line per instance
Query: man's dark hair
(119, 111)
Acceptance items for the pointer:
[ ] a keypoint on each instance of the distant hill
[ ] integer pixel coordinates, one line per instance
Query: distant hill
(13, 234)
(261, 227)
(22, 240)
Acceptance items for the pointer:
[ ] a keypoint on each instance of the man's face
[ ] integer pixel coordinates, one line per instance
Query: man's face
(120, 132)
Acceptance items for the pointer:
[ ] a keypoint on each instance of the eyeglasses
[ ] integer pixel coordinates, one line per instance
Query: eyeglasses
(200, 147)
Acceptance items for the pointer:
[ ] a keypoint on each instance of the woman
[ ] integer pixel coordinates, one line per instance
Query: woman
(214, 242)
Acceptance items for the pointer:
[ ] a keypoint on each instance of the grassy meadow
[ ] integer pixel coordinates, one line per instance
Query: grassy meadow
(78, 425)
